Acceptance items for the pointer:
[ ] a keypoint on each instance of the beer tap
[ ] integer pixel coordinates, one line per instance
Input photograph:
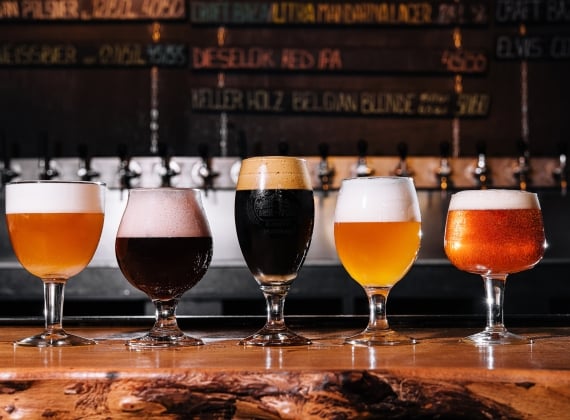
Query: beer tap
(85, 171)
(242, 153)
(8, 173)
(522, 168)
(444, 171)
(403, 169)
(167, 169)
(48, 168)
(204, 168)
(362, 169)
(129, 170)
(560, 173)
(325, 170)
(481, 172)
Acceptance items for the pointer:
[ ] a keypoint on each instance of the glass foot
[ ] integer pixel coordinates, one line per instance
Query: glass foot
(266, 337)
(490, 338)
(379, 338)
(150, 341)
(54, 339)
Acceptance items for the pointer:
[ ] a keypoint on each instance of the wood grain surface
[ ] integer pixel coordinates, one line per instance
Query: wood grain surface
(437, 378)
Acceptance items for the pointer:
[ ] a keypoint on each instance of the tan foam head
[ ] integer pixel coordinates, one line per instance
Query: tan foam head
(163, 212)
(274, 172)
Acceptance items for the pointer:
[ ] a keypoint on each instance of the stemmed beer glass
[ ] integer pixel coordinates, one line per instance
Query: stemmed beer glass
(494, 233)
(163, 248)
(274, 216)
(377, 229)
(54, 228)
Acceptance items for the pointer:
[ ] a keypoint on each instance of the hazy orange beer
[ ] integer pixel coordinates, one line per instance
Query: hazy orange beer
(54, 245)
(377, 253)
(500, 241)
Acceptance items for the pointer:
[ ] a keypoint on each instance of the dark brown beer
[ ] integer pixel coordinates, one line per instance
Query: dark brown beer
(274, 229)
(164, 268)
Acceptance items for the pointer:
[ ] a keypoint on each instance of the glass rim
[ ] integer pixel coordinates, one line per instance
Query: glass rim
(374, 177)
(149, 189)
(275, 157)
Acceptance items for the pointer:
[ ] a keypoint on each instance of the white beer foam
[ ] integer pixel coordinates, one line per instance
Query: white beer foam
(55, 197)
(494, 199)
(164, 213)
(377, 199)
(259, 173)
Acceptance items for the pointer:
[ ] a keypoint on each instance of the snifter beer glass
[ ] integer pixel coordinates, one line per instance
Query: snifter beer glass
(163, 248)
(274, 216)
(494, 233)
(377, 229)
(54, 227)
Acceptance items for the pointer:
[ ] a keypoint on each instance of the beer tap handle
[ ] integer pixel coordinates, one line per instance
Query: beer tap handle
(8, 173)
(48, 170)
(402, 168)
(481, 172)
(362, 168)
(85, 172)
(325, 171)
(444, 170)
(522, 169)
(560, 173)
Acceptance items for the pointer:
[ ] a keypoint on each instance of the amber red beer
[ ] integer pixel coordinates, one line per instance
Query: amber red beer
(494, 231)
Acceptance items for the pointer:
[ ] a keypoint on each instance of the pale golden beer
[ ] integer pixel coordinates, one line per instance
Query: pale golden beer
(54, 228)
(377, 253)
(54, 245)
(377, 231)
(494, 233)
(495, 240)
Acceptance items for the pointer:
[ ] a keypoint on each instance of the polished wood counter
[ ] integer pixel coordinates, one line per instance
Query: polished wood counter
(437, 378)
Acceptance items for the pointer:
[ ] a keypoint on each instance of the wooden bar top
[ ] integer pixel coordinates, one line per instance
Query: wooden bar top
(439, 377)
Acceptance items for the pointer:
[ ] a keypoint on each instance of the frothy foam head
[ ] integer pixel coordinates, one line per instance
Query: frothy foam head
(274, 172)
(493, 200)
(377, 199)
(55, 197)
(164, 213)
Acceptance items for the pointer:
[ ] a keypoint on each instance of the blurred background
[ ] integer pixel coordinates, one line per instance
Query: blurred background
(146, 93)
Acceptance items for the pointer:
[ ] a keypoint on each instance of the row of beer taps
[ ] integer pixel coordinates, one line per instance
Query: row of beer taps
(205, 173)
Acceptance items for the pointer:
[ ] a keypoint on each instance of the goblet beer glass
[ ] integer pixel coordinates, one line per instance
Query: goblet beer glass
(274, 216)
(377, 229)
(163, 248)
(54, 228)
(494, 233)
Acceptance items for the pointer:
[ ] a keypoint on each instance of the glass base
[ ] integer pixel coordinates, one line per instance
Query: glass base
(150, 341)
(490, 337)
(266, 337)
(386, 337)
(54, 339)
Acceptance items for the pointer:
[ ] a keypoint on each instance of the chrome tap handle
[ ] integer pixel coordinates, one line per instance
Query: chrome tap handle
(85, 172)
(127, 170)
(48, 169)
(325, 170)
(522, 169)
(205, 169)
(167, 168)
(362, 169)
(443, 172)
(402, 169)
(560, 173)
(482, 173)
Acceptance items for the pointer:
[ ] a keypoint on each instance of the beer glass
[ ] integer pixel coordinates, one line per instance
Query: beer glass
(274, 216)
(494, 233)
(54, 228)
(163, 248)
(377, 230)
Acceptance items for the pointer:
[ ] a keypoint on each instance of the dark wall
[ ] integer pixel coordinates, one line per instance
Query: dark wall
(83, 75)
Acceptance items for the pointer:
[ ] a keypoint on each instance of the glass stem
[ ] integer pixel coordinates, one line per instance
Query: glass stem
(165, 317)
(494, 293)
(275, 300)
(53, 305)
(377, 297)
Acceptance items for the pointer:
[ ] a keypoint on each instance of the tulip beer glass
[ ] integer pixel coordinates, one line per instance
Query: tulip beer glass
(377, 230)
(163, 248)
(54, 228)
(494, 233)
(274, 216)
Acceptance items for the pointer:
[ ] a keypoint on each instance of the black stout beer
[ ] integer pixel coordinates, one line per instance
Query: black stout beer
(274, 216)
(163, 248)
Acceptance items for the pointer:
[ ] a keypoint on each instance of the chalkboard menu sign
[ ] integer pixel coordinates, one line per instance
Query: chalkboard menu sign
(185, 72)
